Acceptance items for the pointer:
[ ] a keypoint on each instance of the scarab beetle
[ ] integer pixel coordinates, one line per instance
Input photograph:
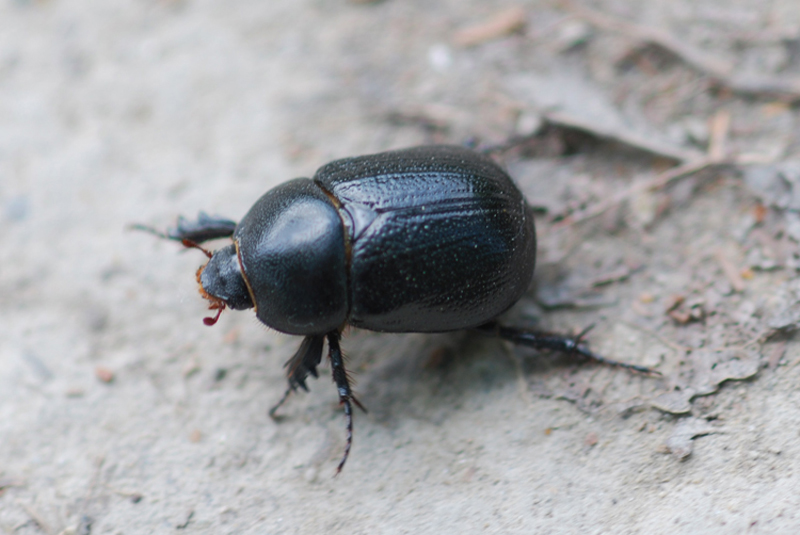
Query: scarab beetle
(426, 239)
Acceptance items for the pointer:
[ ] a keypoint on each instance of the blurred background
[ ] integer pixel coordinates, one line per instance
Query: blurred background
(658, 142)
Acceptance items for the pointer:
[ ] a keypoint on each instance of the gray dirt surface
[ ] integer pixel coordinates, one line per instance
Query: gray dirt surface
(121, 413)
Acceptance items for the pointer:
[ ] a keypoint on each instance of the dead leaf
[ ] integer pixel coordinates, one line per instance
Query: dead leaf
(716, 367)
(675, 402)
(784, 307)
(680, 442)
(567, 99)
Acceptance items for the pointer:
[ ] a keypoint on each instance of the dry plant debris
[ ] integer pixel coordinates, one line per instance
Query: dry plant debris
(503, 23)
(723, 73)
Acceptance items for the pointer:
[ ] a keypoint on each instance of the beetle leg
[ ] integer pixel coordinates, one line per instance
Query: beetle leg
(345, 393)
(304, 362)
(555, 342)
(206, 228)
(298, 368)
(280, 403)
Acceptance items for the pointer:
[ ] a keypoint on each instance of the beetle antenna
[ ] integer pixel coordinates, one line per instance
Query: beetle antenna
(211, 321)
(215, 302)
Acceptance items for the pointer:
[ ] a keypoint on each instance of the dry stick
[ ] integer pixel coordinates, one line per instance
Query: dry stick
(36, 517)
(669, 343)
(717, 157)
(720, 127)
(694, 57)
(776, 354)
(729, 269)
(657, 182)
(503, 23)
(722, 72)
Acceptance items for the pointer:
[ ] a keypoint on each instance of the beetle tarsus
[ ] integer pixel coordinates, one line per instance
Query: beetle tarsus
(345, 394)
(556, 342)
(280, 403)
(348, 414)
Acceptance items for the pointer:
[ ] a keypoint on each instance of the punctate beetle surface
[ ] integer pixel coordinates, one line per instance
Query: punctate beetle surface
(426, 239)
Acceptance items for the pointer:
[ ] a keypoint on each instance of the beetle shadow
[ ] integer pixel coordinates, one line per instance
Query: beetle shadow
(429, 376)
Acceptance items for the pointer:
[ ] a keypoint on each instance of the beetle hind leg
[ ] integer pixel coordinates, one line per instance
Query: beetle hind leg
(555, 342)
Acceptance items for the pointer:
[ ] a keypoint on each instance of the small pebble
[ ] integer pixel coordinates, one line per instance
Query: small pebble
(104, 374)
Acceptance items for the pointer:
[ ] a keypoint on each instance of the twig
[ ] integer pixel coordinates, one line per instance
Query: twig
(658, 182)
(720, 126)
(785, 89)
(7, 483)
(669, 343)
(503, 23)
(771, 35)
(185, 524)
(36, 517)
(731, 273)
(717, 157)
(722, 72)
(761, 338)
(694, 57)
(776, 354)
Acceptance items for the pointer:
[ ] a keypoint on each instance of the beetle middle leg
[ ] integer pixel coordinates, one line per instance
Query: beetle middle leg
(304, 363)
(555, 342)
(345, 393)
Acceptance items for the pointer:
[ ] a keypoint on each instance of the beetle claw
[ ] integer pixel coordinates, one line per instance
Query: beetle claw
(358, 404)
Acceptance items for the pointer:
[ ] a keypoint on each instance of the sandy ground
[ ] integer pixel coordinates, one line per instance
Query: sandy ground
(121, 413)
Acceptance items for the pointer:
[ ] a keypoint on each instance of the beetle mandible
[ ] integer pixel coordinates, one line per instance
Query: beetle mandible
(426, 239)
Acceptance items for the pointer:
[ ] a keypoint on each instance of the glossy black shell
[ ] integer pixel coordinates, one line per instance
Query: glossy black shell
(441, 238)
(426, 239)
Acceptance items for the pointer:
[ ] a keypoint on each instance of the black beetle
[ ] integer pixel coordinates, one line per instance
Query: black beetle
(426, 239)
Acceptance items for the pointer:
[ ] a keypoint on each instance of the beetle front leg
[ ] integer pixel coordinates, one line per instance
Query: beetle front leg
(345, 393)
(204, 229)
(302, 364)
(555, 342)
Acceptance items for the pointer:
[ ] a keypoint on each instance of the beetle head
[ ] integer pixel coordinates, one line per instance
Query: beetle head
(222, 283)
